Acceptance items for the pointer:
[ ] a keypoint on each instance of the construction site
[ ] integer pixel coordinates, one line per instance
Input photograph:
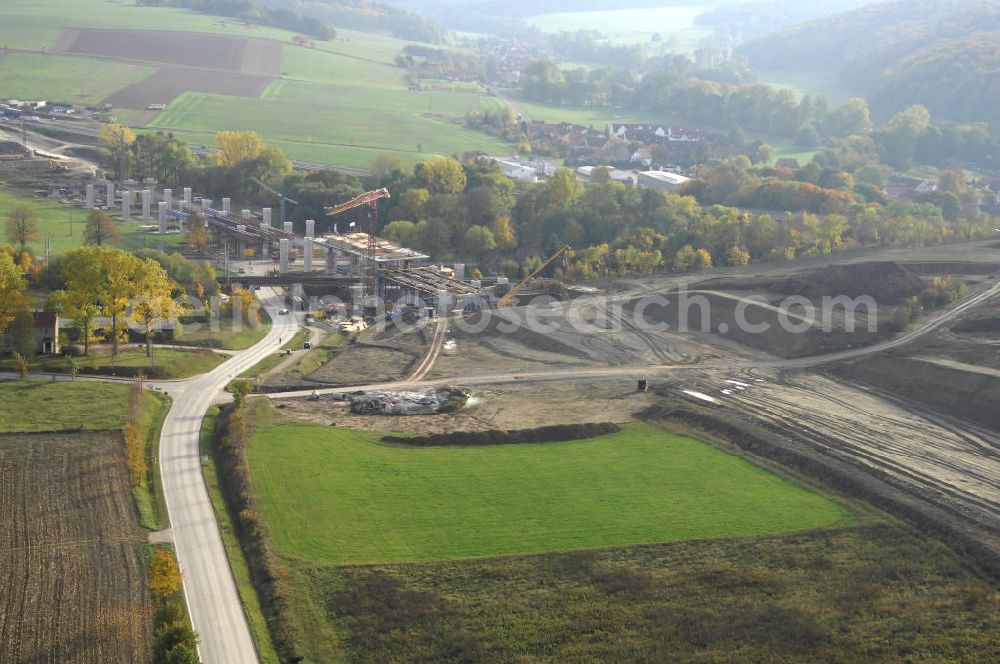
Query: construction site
(918, 437)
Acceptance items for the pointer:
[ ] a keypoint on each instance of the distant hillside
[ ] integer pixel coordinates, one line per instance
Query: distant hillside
(367, 15)
(939, 53)
(758, 17)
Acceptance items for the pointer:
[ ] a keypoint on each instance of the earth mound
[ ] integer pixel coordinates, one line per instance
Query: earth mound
(887, 282)
(550, 434)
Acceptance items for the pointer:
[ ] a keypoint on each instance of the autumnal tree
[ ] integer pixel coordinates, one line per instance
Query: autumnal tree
(135, 452)
(249, 156)
(240, 388)
(684, 259)
(235, 147)
(737, 256)
(563, 188)
(164, 574)
(22, 226)
(441, 176)
(118, 140)
(81, 270)
(702, 259)
(12, 287)
(120, 271)
(411, 204)
(506, 238)
(114, 134)
(153, 302)
(100, 229)
(198, 237)
(21, 363)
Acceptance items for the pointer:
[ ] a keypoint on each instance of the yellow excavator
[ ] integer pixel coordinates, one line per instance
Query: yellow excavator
(508, 299)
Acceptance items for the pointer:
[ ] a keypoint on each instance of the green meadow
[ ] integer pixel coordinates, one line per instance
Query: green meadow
(335, 495)
(64, 224)
(68, 79)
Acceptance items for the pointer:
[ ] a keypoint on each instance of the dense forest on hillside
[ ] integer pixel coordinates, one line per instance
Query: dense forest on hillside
(749, 19)
(367, 15)
(939, 53)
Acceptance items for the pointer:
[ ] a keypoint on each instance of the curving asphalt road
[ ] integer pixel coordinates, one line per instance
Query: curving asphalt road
(212, 597)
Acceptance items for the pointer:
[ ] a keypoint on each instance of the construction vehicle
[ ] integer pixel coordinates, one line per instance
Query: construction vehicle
(369, 198)
(508, 299)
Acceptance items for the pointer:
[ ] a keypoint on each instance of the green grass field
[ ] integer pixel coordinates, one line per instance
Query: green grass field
(35, 405)
(227, 337)
(68, 79)
(342, 102)
(167, 363)
(340, 496)
(64, 225)
(346, 125)
(36, 25)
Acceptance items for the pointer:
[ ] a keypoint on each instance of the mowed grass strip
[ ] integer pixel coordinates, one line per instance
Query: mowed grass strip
(341, 496)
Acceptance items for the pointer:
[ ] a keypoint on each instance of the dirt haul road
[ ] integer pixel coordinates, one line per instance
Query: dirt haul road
(214, 603)
(630, 370)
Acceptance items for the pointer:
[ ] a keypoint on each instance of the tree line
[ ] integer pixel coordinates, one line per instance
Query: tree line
(451, 209)
(253, 12)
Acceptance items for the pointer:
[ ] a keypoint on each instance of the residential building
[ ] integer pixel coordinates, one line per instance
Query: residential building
(44, 332)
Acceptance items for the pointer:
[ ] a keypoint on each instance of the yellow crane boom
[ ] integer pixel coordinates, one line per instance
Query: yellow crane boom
(506, 300)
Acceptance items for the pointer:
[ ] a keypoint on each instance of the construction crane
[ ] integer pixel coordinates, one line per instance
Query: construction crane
(369, 198)
(507, 300)
(281, 197)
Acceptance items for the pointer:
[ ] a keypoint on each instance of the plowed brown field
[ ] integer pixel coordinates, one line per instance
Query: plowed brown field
(72, 570)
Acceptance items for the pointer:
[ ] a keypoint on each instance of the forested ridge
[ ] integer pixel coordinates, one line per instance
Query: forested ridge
(942, 54)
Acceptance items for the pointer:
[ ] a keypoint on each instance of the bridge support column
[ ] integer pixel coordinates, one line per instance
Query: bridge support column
(147, 201)
(283, 246)
(330, 265)
(162, 218)
(168, 198)
(307, 255)
(444, 303)
(310, 228)
(267, 216)
(226, 203)
(127, 204)
(89, 197)
(110, 195)
(288, 227)
(187, 195)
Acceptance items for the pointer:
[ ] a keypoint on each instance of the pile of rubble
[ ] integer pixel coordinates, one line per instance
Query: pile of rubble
(409, 402)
